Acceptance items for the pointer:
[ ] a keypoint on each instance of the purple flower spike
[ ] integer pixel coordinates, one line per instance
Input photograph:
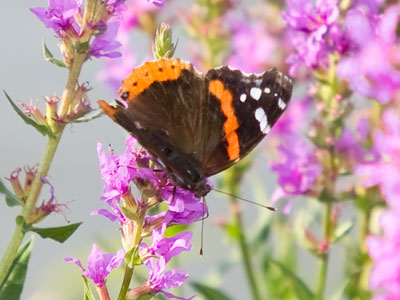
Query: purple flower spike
(384, 170)
(297, 169)
(310, 35)
(59, 16)
(371, 69)
(160, 280)
(384, 252)
(99, 264)
(250, 41)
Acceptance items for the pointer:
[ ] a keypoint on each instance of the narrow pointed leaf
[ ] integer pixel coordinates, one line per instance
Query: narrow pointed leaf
(11, 287)
(59, 234)
(87, 291)
(299, 287)
(209, 293)
(339, 293)
(342, 231)
(10, 198)
(41, 128)
(48, 56)
(89, 117)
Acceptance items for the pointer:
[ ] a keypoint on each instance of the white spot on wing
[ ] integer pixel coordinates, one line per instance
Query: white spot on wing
(267, 90)
(255, 93)
(243, 97)
(281, 104)
(275, 94)
(267, 129)
(262, 120)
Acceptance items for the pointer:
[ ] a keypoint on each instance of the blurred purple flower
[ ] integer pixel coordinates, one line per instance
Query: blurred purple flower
(293, 120)
(160, 280)
(104, 44)
(384, 251)
(251, 40)
(99, 264)
(297, 168)
(117, 69)
(310, 32)
(385, 170)
(59, 16)
(158, 3)
(350, 145)
(372, 67)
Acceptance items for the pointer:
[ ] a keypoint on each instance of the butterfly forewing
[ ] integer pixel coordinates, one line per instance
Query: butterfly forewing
(251, 105)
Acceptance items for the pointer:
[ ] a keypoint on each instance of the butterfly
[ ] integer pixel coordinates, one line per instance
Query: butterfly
(197, 125)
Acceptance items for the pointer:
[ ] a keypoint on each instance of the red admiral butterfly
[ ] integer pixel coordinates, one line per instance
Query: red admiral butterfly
(198, 125)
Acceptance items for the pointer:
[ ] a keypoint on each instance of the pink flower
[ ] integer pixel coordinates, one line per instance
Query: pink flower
(99, 264)
(297, 168)
(251, 40)
(167, 247)
(310, 32)
(384, 251)
(385, 170)
(160, 280)
(371, 68)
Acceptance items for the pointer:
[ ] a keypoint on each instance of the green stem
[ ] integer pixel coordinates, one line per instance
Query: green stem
(128, 269)
(29, 206)
(43, 169)
(11, 251)
(323, 271)
(125, 282)
(244, 250)
(69, 91)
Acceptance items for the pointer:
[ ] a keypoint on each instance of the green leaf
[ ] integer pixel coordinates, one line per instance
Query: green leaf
(89, 117)
(41, 128)
(132, 257)
(48, 56)
(299, 287)
(87, 291)
(339, 293)
(208, 292)
(11, 199)
(232, 230)
(59, 234)
(175, 229)
(342, 231)
(11, 287)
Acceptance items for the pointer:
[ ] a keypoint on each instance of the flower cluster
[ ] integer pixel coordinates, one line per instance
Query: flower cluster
(76, 26)
(314, 32)
(371, 68)
(136, 166)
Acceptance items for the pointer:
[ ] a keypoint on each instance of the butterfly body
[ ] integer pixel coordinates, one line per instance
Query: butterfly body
(198, 125)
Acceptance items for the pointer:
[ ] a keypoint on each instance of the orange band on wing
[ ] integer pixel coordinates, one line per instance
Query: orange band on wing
(160, 70)
(216, 87)
(107, 109)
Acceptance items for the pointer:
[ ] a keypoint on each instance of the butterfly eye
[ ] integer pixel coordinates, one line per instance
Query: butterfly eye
(125, 95)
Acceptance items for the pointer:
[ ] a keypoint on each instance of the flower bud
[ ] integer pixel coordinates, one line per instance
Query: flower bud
(163, 46)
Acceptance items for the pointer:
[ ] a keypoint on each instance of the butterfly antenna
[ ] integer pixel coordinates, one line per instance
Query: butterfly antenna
(246, 200)
(202, 226)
